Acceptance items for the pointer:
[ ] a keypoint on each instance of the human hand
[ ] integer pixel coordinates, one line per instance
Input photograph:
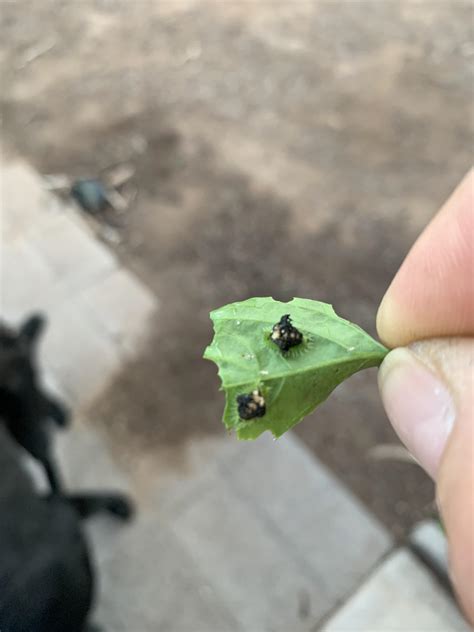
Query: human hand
(428, 387)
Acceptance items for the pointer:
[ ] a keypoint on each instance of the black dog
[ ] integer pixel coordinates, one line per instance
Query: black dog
(46, 576)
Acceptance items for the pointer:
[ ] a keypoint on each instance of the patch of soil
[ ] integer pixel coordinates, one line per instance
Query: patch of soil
(222, 239)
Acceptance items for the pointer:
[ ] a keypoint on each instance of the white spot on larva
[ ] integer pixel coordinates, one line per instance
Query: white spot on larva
(238, 323)
(351, 348)
(263, 372)
(249, 356)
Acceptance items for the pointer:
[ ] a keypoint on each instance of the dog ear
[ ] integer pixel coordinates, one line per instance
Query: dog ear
(31, 329)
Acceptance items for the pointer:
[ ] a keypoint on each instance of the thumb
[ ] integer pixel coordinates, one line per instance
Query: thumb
(428, 393)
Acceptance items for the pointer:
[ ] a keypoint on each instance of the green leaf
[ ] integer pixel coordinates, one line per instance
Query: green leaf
(292, 383)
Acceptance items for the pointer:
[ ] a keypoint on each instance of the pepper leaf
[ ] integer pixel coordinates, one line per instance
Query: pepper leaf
(292, 383)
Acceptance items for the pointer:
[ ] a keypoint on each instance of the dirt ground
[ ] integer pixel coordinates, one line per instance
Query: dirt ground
(284, 149)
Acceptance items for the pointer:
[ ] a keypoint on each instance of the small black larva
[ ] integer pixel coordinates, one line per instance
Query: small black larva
(251, 405)
(285, 335)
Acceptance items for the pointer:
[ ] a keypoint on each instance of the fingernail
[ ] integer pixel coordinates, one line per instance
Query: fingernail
(418, 405)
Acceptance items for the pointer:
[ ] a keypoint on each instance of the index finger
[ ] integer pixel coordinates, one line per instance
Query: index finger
(432, 293)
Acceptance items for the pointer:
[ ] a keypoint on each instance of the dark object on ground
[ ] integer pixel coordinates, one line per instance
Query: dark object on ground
(251, 406)
(46, 576)
(285, 335)
(91, 195)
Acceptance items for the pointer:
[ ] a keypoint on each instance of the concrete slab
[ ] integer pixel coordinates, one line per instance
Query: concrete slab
(22, 197)
(77, 354)
(122, 306)
(75, 257)
(400, 596)
(26, 282)
(244, 559)
(269, 524)
(85, 460)
(153, 585)
(312, 513)
(258, 578)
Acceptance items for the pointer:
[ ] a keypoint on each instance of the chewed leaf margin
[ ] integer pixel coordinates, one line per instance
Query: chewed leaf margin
(292, 383)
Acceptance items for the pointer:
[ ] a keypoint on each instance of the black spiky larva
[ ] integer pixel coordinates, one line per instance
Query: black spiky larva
(251, 405)
(285, 335)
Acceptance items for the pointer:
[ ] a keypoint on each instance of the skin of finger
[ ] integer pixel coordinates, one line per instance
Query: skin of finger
(432, 294)
(452, 359)
(455, 495)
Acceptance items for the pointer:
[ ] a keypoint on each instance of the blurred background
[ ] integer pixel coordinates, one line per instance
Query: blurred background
(273, 148)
